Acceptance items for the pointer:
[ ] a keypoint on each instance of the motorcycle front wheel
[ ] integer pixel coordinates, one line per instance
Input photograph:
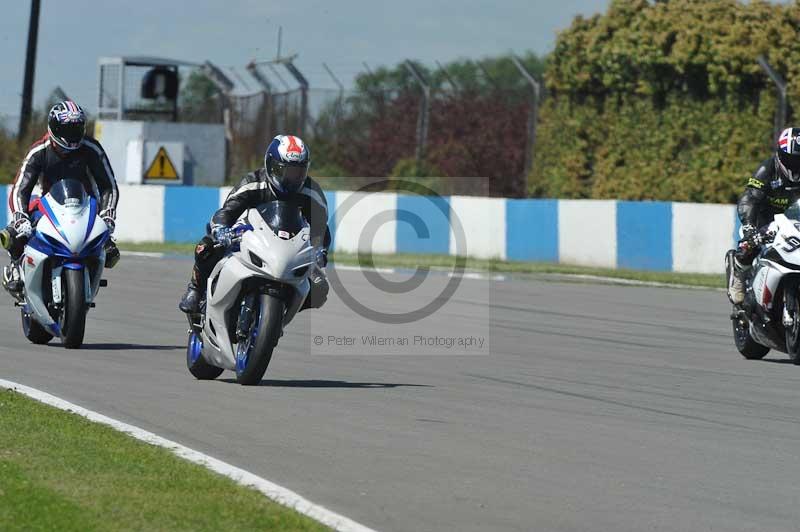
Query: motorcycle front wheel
(793, 331)
(74, 318)
(254, 353)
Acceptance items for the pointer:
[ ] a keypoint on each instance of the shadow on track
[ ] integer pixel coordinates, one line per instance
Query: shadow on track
(320, 383)
(129, 347)
(777, 360)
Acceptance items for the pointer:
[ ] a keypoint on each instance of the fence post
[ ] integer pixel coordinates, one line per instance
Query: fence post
(260, 78)
(422, 118)
(533, 116)
(224, 84)
(780, 86)
(488, 77)
(339, 99)
(303, 82)
(266, 86)
(447, 76)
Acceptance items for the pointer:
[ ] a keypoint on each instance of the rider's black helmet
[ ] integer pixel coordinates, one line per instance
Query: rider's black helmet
(66, 125)
(788, 154)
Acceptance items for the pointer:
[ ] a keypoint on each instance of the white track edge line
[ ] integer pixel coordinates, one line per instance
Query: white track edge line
(149, 254)
(275, 492)
(629, 282)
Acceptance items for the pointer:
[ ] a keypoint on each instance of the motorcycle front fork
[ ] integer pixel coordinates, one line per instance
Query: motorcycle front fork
(245, 320)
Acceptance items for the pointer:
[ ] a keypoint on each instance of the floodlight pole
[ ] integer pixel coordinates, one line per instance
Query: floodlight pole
(533, 116)
(30, 70)
(780, 86)
(424, 111)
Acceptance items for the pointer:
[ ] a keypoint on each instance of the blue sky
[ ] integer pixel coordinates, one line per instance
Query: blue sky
(343, 33)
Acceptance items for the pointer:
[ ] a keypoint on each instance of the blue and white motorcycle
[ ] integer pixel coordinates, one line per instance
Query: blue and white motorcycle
(62, 265)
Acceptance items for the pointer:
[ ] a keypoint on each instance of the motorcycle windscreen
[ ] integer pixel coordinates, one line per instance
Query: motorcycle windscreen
(69, 193)
(793, 212)
(283, 217)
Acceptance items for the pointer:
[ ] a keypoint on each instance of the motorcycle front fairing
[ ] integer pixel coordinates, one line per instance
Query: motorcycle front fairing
(69, 234)
(778, 262)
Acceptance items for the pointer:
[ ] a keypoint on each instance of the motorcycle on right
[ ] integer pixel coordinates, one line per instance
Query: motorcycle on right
(769, 317)
(252, 294)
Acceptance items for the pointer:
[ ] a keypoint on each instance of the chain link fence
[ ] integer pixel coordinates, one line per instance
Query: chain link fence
(356, 136)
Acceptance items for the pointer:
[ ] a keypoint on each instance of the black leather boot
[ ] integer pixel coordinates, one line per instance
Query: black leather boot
(190, 302)
(112, 254)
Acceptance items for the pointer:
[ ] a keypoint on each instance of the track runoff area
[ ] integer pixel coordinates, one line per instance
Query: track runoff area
(587, 407)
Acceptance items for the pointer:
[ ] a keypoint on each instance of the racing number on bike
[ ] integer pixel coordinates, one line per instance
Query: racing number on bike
(792, 244)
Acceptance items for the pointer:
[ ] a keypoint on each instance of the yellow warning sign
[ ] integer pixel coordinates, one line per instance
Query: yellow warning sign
(162, 167)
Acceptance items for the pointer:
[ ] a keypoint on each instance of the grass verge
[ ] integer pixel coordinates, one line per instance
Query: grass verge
(59, 471)
(490, 265)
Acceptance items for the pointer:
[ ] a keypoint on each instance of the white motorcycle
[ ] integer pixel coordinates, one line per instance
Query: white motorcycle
(769, 318)
(62, 265)
(252, 294)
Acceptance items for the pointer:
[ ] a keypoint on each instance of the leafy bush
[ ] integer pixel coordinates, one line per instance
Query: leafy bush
(10, 157)
(663, 100)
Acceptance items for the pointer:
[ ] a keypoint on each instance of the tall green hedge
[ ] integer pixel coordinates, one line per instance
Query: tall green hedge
(663, 100)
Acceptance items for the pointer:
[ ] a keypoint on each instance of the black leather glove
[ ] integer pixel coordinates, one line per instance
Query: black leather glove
(322, 258)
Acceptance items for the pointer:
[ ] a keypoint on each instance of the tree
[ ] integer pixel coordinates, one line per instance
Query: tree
(644, 105)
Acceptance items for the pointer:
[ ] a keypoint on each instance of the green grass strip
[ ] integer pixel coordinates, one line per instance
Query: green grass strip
(489, 265)
(59, 471)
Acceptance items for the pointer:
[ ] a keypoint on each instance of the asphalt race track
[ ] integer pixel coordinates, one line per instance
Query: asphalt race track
(599, 408)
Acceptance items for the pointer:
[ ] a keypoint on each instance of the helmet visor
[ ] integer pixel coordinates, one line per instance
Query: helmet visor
(70, 133)
(790, 160)
(288, 177)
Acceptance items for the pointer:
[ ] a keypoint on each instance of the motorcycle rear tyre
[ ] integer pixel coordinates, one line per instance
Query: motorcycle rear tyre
(197, 365)
(33, 330)
(749, 348)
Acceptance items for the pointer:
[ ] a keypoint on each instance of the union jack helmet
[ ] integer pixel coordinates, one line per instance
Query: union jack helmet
(66, 125)
(788, 151)
(286, 163)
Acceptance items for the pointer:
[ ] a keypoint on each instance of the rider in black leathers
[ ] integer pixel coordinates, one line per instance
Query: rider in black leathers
(283, 177)
(773, 187)
(64, 152)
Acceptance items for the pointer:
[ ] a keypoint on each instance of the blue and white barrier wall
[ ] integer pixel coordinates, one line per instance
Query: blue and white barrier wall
(684, 237)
